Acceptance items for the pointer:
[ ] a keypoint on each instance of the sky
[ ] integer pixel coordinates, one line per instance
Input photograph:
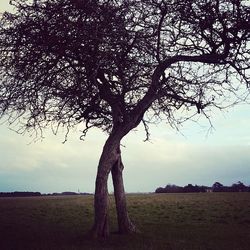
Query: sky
(194, 155)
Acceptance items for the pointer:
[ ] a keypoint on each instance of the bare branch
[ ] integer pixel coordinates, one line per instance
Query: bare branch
(107, 63)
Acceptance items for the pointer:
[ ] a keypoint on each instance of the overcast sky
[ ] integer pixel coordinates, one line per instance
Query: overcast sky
(171, 157)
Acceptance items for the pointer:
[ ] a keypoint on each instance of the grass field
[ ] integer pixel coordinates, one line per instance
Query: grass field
(215, 221)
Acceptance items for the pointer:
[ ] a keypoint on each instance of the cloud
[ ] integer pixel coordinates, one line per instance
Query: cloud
(183, 162)
(49, 165)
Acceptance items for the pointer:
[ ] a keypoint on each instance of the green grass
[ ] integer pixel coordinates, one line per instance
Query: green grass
(215, 221)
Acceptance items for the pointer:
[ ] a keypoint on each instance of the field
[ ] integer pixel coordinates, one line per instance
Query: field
(215, 221)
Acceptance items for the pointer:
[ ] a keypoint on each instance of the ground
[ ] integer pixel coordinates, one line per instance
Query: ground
(215, 221)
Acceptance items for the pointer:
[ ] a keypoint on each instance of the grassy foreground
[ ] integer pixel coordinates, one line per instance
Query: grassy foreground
(213, 221)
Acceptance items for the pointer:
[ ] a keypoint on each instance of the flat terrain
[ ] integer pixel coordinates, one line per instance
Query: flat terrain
(215, 221)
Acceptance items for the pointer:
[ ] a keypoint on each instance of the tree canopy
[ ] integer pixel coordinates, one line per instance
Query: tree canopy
(107, 62)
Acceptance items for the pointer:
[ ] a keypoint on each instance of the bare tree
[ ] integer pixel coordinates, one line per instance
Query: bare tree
(115, 64)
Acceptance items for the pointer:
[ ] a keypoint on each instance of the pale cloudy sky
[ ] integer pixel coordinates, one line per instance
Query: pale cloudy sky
(170, 157)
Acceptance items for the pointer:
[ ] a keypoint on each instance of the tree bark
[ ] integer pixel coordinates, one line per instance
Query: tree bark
(101, 226)
(125, 225)
(108, 158)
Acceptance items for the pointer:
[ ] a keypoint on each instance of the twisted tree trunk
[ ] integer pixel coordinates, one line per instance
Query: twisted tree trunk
(124, 223)
(108, 158)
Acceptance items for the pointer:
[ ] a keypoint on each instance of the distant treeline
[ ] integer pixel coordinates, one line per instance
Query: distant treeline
(68, 193)
(216, 187)
(31, 194)
(20, 194)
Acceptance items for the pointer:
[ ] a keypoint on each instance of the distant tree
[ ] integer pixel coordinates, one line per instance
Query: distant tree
(203, 189)
(217, 187)
(238, 187)
(115, 64)
(69, 193)
(160, 190)
(173, 189)
(191, 189)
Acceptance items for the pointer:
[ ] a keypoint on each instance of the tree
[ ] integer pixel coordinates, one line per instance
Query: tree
(238, 187)
(115, 64)
(218, 187)
(169, 188)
